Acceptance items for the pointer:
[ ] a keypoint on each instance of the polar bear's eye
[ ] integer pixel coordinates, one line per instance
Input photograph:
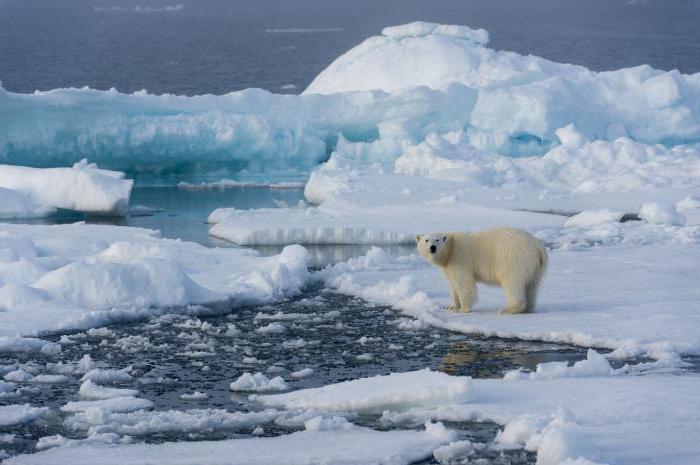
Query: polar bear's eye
(426, 240)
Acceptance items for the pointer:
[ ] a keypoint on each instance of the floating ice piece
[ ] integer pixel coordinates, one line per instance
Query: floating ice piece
(92, 391)
(83, 188)
(28, 344)
(142, 422)
(659, 213)
(18, 414)
(359, 446)
(594, 365)
(397, 390)
(99, 375)
(114, 404)
(258, 382)
(196, 395)
(303, 373)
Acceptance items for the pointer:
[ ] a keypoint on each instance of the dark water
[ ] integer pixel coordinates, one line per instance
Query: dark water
(324, 332)
(217, 46)
(182, 214)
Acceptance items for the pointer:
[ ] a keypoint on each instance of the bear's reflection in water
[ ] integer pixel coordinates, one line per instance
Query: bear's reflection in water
(482, 357)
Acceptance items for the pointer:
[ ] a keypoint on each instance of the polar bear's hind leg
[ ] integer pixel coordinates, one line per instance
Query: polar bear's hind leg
(516, 298)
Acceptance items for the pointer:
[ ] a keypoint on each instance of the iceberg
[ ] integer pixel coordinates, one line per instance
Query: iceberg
(35, 192)
(410, 81)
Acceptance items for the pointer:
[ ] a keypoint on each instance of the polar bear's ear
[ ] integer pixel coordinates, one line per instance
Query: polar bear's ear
(418, 236)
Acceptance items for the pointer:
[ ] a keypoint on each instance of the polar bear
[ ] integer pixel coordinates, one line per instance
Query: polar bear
(507, 257)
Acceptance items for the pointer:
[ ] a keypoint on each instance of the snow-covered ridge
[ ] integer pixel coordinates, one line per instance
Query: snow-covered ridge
(400, 86)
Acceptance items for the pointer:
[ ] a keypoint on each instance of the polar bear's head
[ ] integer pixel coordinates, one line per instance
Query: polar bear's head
(434, 247)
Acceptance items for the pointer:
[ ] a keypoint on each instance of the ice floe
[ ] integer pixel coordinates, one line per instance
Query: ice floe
(82, 276)
(326, 445)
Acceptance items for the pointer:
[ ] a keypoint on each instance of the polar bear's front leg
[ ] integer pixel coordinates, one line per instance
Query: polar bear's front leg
(466, 290)
(455, 299)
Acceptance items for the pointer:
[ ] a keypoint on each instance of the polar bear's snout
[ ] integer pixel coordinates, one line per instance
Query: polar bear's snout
(433, 248)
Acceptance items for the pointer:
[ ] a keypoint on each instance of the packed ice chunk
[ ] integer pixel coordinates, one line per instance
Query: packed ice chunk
(258, 382)
(92, 391)
(595, 364)
(660, 213)
(374, 394)
(83, 187)
(18, 414)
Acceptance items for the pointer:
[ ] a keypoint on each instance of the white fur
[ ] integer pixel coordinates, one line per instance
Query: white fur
(507, 257)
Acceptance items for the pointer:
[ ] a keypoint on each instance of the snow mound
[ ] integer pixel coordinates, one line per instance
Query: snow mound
(83, 187)
(414, 54)
(659, 213)
(397, 390)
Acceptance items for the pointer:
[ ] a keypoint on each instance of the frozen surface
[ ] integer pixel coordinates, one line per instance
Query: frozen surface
(20, 413)
(615, 297)
(80, 276)
(33, 192)
(319, 444)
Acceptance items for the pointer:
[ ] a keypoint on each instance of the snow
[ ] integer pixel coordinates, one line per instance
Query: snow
(332, 447)
(377, 393)
(81, 276)
(258, 382)
(614, 296)
(18, 414)
(659, 213)
(31, 192)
